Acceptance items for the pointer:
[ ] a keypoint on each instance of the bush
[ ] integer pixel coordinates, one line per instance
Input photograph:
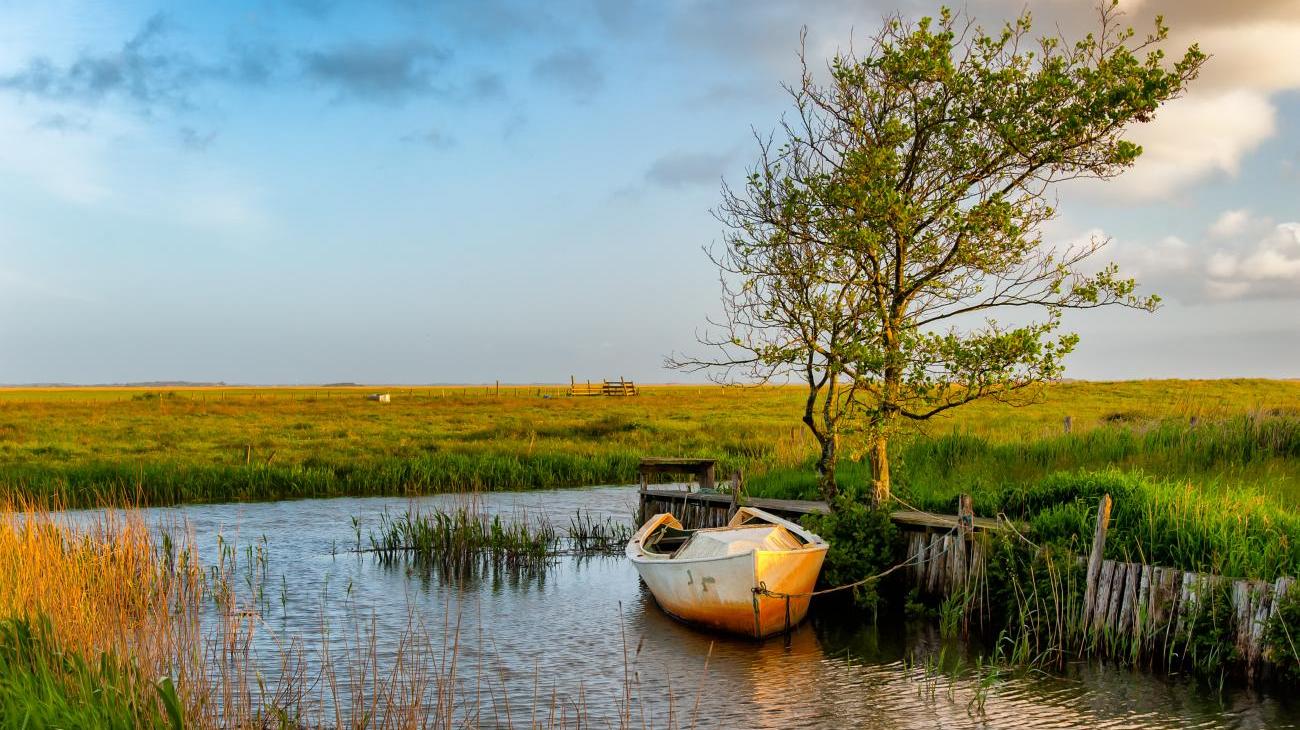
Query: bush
(864, 542)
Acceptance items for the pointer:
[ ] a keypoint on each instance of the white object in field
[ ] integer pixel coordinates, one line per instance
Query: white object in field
(381, 397)
(709, 577)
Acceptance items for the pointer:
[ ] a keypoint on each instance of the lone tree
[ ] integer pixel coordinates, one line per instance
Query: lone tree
(900, 206)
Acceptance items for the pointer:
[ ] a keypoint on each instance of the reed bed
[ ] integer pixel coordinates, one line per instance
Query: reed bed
(466, 542)
(106, 623)
(94, 610)
(1033, 598)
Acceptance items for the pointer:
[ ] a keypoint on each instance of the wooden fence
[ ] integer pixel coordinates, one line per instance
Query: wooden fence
(1125, 605)
(618, 387)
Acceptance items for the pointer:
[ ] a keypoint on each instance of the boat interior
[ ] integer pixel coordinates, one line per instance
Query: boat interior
(747, 533)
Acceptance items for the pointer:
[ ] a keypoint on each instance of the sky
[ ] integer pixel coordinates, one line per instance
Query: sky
(406, 191)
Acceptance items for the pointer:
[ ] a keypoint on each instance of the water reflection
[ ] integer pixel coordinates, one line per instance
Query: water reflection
(584, 629)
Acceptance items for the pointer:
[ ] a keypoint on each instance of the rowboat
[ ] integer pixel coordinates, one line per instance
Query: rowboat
(752, 577)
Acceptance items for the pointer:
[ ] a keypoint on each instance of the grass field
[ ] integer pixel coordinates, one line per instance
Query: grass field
(151, 446)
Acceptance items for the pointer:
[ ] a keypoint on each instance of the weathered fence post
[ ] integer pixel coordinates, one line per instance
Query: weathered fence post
(644, 485)
(1067, 424)
(737, 485)
(965, 525)
(1094, 560)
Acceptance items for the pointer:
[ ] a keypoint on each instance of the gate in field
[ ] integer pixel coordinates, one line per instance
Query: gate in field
(618, 387)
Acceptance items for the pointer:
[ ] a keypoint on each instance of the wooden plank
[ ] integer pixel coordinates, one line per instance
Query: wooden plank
(904, 518)
(1096, 557)
(1118, 581)
(1263, 603)
(1164, 599)
(676, 461)
(1128, 599)
(938, 556)
(1142, 610)
(950, 565)
(1187, 605)
(977, 561)
(1240, 595)
(916, 553)
(1102, 597)
(965, 527)
(1280, 589)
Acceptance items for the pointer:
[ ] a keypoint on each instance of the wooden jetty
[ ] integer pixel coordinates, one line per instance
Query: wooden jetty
(1126, 604)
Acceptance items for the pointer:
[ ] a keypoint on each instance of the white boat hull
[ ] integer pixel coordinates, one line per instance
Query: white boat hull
(719, 592)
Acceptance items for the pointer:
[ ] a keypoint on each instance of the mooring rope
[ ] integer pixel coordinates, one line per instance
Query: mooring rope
(1004, 520)
(762, 590)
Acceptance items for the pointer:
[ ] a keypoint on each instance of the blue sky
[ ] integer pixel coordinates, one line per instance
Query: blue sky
(405, 191)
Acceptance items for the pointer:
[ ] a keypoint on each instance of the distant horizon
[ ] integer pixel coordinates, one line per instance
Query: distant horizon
(204, 385)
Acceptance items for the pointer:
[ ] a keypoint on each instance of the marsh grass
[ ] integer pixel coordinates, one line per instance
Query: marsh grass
(45, 684)
(103, 624)
(87, 446)
(1033, 597)
(467, 542)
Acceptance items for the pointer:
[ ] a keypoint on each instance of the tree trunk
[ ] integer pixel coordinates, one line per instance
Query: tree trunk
(879, 470)
(826, 470)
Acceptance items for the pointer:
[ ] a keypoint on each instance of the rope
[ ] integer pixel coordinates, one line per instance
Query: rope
(762, 590)
(914, 508)
(1003, 519)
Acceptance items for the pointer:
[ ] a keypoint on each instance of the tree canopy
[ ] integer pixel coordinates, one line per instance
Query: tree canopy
(900, 205)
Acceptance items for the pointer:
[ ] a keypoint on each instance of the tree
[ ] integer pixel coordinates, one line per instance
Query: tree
(902, 208)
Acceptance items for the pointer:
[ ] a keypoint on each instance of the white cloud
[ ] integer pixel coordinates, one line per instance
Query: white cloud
(1263, 56)
(1194, 138)
(1241, 256)
(1271, 260)
(1230, 223)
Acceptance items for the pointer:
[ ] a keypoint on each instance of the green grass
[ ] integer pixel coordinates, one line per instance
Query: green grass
(44, 685)
(1260, 451)
(89, 446)
(466, 542)
(1217, 497)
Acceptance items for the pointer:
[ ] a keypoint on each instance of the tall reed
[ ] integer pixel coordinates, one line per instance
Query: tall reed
(106, 623)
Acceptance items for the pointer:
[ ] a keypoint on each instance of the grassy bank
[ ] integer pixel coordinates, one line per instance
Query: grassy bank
(150, 446)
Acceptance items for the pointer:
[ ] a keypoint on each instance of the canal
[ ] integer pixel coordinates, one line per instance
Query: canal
(584, 638)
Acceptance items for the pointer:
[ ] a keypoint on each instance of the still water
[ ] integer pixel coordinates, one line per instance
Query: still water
(588, 634)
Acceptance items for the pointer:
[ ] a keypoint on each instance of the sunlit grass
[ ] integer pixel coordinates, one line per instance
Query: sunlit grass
(207, 445)
(104, 623)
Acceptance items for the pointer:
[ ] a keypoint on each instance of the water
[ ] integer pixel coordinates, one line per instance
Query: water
(585, 631)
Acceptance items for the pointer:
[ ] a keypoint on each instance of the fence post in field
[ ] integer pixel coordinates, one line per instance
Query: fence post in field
(498, 392)
(1094, 560)
(1067, 424)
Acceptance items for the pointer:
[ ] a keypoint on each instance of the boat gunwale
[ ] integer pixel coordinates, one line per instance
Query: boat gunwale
(636, 551)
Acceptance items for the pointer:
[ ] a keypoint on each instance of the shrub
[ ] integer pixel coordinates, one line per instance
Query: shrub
(864, 542)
